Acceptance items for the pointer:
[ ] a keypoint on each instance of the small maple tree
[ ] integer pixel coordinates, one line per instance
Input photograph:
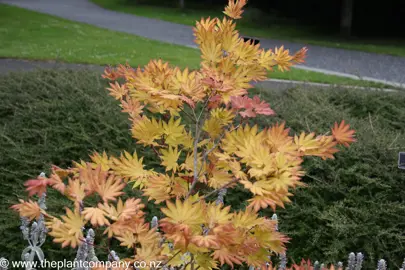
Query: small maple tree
(196, 124)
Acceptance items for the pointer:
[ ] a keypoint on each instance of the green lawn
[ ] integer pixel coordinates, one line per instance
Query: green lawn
(283, 30)
(31, 35)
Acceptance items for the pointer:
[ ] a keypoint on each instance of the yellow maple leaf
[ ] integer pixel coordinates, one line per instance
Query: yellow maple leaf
(228, 35)
(129, 167)
(127, 239)
(173, 130)
(306, 142)
(158, 188)
(183, 212)
(169, 158)
(68, 232)
(283, 59)
(258, 258)
(211, 51)
(205, 262)
(147, 131)
(205, 30)
(101, 160)
(214, 127)
(270, 239)
(149, 253)
(247, 219)
(217, 215)
(219, 178)
(234, 8)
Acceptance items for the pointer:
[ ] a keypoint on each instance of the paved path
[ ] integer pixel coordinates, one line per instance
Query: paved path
(328, 60)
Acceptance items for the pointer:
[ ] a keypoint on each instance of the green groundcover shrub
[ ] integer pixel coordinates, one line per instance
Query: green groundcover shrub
(353, 203)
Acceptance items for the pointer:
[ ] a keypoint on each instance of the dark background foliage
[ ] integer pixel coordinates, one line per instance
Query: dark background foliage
(352, 203)
(371, 19)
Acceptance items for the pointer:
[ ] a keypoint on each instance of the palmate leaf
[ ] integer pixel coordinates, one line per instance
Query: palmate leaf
(28, 209)
(127, 239)
(234, 9)
(76, 191)
(224, 255)
(343, 134)
(37, 186)
(68, 232)
(158, 188)
(169, 158)
(96, 180)
(130, 168)
(183, 212)
(101, 160)
(95, 215)
(205, 262)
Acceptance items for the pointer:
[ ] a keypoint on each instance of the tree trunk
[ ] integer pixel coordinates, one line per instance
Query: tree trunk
(346, 18)
(181, 4)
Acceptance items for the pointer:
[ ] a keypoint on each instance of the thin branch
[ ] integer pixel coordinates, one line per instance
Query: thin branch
(156, 151)
(396, 138)
(189, 115)
(371, 123)
(192, 261)
(198, 129)
(195, 178)
(177, 253)
(218, 189)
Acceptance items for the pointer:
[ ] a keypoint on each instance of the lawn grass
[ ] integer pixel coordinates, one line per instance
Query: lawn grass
(31, 35)
(353, 203)
(258, 28)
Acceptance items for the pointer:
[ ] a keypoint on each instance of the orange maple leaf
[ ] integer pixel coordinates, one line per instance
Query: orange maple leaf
(29, 209)
(107, 186)
(111, 188)
(224, 255)
(343, 134)
(96, 216)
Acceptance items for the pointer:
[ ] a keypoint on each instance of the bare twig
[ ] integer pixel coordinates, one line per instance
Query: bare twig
(177, 253)
(371, 123)
(395, 139)
(218, 189)
(198, 128)
(156, 151)
(189, 115)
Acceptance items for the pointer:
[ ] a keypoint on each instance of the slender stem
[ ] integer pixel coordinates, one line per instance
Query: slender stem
(218, 189)
(189, 115)
(156, 151)
(198, 128)
(177, 253)
(195, 178)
